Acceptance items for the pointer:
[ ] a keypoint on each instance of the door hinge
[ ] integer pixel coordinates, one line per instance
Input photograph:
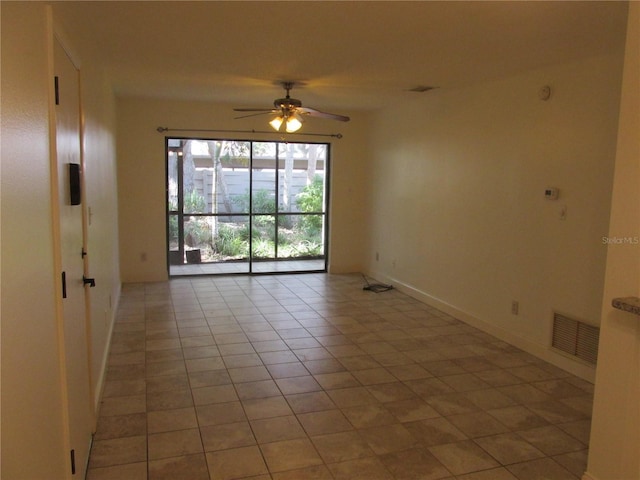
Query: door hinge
(56, 86)
(64, 284)
(73, 462)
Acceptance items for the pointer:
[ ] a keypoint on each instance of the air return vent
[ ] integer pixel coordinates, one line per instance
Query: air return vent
(576, 338)
(421, 88)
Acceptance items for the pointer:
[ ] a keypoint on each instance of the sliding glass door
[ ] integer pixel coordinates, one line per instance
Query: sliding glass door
(246, 207)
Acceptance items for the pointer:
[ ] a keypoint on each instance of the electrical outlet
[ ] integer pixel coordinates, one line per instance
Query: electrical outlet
(515, 306)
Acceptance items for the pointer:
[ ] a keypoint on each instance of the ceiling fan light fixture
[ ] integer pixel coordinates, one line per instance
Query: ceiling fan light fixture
(294, 123)
(276, 123)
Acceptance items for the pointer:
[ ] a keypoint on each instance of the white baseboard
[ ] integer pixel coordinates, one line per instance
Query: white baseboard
(543, 352)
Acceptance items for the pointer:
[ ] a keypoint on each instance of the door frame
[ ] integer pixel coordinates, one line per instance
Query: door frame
(250, 260)
(85, 430)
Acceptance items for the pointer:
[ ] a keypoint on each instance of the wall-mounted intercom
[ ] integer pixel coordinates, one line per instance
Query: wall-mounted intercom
(74, 184)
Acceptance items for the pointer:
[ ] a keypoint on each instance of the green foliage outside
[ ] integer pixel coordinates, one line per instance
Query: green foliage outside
(194, 203)
(232, 241)
(263, 201)
(196, 229)
(310, 199)
(298, 235)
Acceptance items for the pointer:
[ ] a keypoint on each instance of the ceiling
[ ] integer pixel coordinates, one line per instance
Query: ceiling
(343, 55)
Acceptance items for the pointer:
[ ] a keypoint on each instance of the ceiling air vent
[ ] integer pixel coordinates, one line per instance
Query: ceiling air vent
(421, 88)
(575, 338)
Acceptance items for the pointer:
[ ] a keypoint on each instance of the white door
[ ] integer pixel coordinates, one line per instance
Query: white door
(75, 343)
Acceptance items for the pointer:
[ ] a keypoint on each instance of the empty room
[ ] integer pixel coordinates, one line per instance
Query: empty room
(320, 240)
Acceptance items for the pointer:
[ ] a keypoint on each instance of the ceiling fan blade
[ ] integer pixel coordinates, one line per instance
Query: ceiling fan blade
(253, 110)
(264, 112)
(312, 112)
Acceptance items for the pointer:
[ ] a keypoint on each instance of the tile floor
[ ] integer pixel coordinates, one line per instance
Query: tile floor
(307, 376)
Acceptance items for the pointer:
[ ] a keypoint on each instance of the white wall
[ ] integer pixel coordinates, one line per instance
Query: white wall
(615, 432)
(102, 201)
(458, 215)
(33, 425)
(142, 178)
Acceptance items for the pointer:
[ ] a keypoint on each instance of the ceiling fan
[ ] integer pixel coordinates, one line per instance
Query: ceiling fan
(289, 112)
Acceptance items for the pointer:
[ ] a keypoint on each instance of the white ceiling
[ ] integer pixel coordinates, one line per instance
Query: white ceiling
(345, 55)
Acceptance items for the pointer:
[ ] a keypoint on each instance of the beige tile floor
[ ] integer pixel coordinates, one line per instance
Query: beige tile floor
(307, 376)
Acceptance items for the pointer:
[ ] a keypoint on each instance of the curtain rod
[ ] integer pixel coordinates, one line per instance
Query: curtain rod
(167, 129)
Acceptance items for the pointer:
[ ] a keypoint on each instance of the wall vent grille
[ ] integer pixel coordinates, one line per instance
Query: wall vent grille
(575, 338)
